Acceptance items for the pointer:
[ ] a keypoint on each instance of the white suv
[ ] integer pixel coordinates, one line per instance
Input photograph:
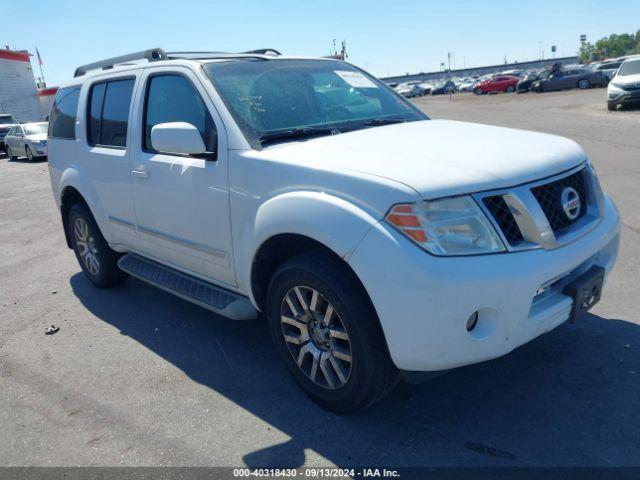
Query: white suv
(376, 241)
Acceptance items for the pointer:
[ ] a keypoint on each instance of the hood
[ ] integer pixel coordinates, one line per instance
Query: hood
(438, 158)
(37, 137)
(626, 80)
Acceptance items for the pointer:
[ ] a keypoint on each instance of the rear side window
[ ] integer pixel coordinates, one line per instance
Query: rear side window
(62, 120)
(173, 98)
(109, 104)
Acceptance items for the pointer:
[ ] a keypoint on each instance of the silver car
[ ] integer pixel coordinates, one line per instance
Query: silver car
(27, 140)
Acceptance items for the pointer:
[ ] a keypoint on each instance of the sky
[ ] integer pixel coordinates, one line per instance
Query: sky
(383, 37)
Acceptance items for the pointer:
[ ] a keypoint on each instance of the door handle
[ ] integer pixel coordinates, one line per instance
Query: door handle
(139, 174)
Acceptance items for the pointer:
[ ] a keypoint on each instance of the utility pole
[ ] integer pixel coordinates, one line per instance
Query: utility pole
(540, 50)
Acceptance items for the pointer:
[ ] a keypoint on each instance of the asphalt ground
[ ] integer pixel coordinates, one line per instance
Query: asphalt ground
(139, 377)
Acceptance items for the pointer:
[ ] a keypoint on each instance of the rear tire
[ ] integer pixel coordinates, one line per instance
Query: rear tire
(10, 154)
(478, 91)
(97, 260)
(345, 365)
(584, 84)
(511, 89)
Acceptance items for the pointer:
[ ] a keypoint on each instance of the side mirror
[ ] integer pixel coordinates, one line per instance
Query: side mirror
(177, 137)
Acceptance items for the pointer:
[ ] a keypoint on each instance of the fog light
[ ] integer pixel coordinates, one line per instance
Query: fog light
(472, 321)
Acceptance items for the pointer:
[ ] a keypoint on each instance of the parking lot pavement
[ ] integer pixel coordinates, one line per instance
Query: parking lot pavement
(139, 377)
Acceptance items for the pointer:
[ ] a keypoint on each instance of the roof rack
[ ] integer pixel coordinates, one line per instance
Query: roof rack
(152, 55)
(157, 54)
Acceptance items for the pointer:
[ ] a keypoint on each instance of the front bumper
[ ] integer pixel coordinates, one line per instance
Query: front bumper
(39, 150)
(423, 301)
(626, 98)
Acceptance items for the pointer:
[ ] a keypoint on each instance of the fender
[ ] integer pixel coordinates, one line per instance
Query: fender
(330, 220)
(73, 176)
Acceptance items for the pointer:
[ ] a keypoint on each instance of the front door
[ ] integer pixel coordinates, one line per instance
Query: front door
(182, 201)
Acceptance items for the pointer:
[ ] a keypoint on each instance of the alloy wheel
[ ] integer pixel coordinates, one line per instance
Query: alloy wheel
(29, 154)
(86, 246)
(316, 337)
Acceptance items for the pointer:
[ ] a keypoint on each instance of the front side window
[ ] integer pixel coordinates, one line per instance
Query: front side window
(109, 104)
(62, 120)
(268, 96)
(173, 98)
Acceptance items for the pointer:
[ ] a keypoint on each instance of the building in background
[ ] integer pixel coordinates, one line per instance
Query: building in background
(46, 96)
(18, 92)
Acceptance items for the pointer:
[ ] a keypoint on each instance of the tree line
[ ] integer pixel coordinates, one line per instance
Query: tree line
(612, 46)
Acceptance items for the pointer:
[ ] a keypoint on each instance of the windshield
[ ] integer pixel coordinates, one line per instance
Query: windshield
(35, 129)
(267, 96)
(630, 68)
(7, 119)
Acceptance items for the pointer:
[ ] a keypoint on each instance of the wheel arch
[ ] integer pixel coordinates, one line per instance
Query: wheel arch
(69, 197)
(295, 223)
(277, 250)
(73, 188)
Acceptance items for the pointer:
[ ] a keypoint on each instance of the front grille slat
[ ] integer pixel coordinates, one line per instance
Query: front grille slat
(549, 198)
(504, 218)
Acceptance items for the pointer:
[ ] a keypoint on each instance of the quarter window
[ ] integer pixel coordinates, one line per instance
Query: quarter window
(62, 120)
(173, 98)
(109, 106)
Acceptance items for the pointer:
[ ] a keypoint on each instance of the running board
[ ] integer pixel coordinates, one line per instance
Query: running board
(194, 290)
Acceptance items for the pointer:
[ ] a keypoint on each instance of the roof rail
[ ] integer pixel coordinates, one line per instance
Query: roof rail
(152, 55)
(202, 55)
(264, 51)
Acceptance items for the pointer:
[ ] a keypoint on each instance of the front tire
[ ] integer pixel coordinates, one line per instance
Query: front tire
(29, 153)
(10, 154)
(97, 260)
(328, 334)
(612, 106)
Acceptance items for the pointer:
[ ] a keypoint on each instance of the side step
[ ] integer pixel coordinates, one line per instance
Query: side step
(194, 290)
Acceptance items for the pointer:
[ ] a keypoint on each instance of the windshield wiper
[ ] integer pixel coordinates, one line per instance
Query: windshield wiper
(384, 121)
(302, 132)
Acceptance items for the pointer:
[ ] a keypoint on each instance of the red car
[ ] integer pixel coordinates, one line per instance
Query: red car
(501, 83)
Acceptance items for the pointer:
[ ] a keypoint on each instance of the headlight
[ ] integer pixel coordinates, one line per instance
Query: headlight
(452, 226)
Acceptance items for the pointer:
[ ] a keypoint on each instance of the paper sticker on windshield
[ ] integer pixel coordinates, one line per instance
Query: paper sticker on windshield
(355, 79)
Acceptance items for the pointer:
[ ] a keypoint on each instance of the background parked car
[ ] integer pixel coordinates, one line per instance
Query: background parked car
(524, 85)
(443, 88)
(27, 140)
(570, 78)
(624, 88)
(6, 122)
(409, 90)
(466, 85)
(501, 83)
(426, 87)
(607, 69)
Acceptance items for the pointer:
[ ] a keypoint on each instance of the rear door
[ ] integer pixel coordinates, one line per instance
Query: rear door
(182, 201)
(106, 143)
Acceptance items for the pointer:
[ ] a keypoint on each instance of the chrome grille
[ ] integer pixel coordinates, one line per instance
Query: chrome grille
(532, 216)
(548, 196)
(504, 218)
